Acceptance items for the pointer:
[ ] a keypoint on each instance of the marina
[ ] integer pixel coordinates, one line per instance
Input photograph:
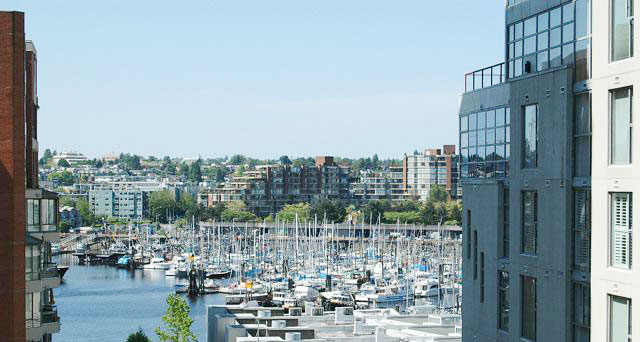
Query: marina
(284, 265)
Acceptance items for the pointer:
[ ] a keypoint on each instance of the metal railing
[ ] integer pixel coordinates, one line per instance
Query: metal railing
(49, 270)
(49, 314)
(486, 77)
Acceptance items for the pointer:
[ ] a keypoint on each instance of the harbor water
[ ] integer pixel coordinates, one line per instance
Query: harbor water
(103, 303)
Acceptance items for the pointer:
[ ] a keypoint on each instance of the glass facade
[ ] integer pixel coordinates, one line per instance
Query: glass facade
(485, 138)
(582, 135)
(560, 36)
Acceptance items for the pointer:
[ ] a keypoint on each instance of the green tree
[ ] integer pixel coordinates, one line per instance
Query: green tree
(63, 163)
(177, 322)
(454, 212)
(284, 160)
(438, 194)
(183, 171)
(237, 215)
(290, 212)
(411, 217)
(161, 202)
(63, 178)
(85, 211)
(66, 201)
(334, 210)
(138, 336)
(188, 207)
(375, 209)
(195, 171)
(46, 157)
(130, 162)
(237, 159)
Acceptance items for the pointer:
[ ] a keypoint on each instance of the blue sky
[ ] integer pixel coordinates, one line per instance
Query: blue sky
(261, 78)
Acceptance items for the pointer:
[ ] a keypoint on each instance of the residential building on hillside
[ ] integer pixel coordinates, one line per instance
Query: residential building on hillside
(71, 157)
(269, 188)
(430, 168)
(27, 212)
(525, 146)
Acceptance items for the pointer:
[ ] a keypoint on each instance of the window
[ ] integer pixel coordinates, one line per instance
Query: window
(482, 277)
(582, 230)
(503, 300)
(621, 229)
(583, 40)
(621, 29)
(621, 124)
(468, 233)
(619, 319)
(505, 223)
(485, 143)
(582, 135)
(529, 222)
(548, 37)
(530, 136)
(475, 254)
(581, 312)
(33, 215)
(529, 307)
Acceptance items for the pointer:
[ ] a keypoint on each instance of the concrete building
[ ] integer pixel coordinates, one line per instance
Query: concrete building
(72, 157)
(429, 168)
(127, 204)
(28, 213)
(525, 142)
(379, 185)
(238, 323)
(615, 278)
(268, 188)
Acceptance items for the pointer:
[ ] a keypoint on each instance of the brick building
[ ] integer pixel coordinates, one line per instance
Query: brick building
(28, 214)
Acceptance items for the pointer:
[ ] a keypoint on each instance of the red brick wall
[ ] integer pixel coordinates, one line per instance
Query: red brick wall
(12, 177)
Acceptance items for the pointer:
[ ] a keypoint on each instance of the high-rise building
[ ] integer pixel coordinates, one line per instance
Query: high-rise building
(28, 214)
(616, 171)
(525, 145)
(432, 167)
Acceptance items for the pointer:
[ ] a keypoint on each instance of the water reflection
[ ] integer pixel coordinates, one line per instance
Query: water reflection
(103, 303)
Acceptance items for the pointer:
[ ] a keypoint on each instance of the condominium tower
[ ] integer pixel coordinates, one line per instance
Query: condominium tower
(28, 214)
(530, 272)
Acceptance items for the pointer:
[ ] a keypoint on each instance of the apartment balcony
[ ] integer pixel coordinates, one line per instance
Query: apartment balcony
(47, 278)
(486, 77)
(47, 323)
(42, 215)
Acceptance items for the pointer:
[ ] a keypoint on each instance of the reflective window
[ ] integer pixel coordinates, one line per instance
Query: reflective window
(484, 143)
(620, 322)
(530, 137)
(547, 40)
(503, 300)
(529, 307)
(622, 29)
(621, 126)
(529, 222)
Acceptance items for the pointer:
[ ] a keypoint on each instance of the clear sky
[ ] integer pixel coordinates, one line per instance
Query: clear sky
(257, 77)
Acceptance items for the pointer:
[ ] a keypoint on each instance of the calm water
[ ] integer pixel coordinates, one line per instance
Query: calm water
(102, 303)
